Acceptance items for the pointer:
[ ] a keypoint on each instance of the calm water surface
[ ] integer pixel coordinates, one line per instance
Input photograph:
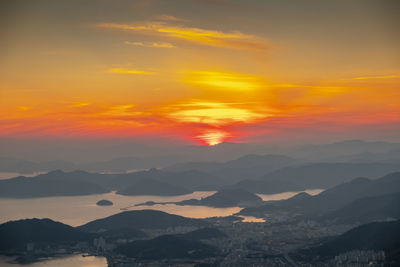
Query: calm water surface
(67, 261)
(8, 175)
(78, 210)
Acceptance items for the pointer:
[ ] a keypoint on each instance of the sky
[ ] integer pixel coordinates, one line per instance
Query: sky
(200, 72)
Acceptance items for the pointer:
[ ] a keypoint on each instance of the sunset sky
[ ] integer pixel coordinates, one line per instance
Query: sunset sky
(200, 71)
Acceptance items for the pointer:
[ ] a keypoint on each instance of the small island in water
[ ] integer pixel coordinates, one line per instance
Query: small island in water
(104, 202)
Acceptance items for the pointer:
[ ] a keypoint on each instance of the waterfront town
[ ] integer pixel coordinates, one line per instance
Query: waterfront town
(274, 242)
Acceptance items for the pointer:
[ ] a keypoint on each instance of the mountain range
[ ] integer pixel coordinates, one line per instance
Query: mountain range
(162, 182)
(332, 200)
(128, 157)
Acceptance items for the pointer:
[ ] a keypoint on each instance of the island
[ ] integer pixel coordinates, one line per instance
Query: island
(221, 199)
(104, 202)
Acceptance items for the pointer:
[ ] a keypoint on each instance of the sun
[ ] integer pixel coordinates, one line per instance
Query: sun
(213, 138)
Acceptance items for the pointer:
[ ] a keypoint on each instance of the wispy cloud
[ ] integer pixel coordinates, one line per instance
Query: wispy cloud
(134, 43)
(80, 104)
(120, 111)
(23, 108)
(394, 76)
(169, 18)
(233, 40)
(130, 71)
(163, 45)
(156, 45)
(224, 80)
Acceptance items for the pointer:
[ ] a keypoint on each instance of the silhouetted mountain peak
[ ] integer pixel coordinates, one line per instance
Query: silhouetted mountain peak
(302, 195)
(227, 144)
(141, 219)
(391, 176)
(56, 172)
(15, 234)
(359, 180)
(351, 141)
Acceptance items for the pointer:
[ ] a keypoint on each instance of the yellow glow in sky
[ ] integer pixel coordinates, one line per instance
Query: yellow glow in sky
(232, 70)
(159, 45)
(394, 76)
(214, 137)
(224, 80)
(125, 71)
(233, 40)
(215, 114)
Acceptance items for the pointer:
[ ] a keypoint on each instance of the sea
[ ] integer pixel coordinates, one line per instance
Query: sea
(78, 210)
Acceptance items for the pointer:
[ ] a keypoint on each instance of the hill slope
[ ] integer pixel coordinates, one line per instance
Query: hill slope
(153, 187)
(334, 198)
(167, 247)
(326, 175)
(140, 219)
(367, 209)
(46, 185)
(226, 198)
(373, 236)
(16, 234)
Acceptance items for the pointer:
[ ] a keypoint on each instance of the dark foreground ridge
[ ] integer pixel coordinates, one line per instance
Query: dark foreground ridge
(168, 247)
(151, 237)
(15, 235)
(377, 236)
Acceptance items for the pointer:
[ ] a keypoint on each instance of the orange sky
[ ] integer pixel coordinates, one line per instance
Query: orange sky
(203, 72)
